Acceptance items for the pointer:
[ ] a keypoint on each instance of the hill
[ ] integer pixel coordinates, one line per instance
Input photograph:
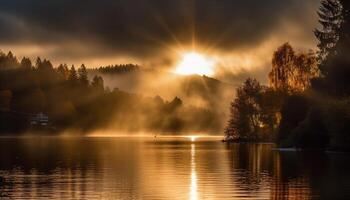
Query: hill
(195, 90)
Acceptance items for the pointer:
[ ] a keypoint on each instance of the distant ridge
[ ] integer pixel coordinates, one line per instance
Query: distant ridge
(196, 90)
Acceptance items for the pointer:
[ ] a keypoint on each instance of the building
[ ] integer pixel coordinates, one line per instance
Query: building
(39, 119)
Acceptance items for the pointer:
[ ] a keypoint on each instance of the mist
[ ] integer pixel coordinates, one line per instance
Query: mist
(194, 91)
(63, 98)
(239, 36)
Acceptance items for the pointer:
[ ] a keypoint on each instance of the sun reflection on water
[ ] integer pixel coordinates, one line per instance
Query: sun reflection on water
(192, 137)
(193, 186)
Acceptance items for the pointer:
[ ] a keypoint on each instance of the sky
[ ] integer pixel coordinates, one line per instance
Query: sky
(240, 35)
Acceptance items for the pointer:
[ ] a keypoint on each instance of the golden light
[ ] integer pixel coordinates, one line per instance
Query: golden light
(193, 186)
(192, 137)
(195, 63)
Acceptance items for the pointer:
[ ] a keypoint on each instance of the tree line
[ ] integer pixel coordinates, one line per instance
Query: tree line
(72, 101)
(118, 69)
(306, 103)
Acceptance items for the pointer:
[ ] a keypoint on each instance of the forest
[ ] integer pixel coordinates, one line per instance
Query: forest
(307, 101)
(118, 68)
(69, 100)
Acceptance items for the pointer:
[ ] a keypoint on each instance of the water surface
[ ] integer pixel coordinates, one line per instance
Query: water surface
(165, 168)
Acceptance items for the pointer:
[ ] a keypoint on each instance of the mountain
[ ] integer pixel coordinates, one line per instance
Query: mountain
(195, 90)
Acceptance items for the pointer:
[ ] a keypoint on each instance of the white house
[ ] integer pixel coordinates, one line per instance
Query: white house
(39, 119)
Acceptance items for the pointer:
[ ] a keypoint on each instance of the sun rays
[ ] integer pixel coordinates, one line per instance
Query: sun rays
(195, 63)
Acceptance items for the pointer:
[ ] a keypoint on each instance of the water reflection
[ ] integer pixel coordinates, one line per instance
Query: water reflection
(267, 174)
(172, 168)
(193, 188)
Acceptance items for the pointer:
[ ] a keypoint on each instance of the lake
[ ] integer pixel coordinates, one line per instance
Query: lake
(165, 168)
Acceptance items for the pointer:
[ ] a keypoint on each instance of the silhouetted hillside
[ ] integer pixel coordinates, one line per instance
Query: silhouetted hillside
(195, 90)
(53, 99)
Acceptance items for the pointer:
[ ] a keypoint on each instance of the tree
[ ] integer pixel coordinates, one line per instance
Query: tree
(334, 41)
(2, 60)
(63, 71)
(330, 18)
(12, 60)
(8, 61)
(174, 104)
(339, 64)
(292, 71)
(270, 105)
(73, 77)
(46, 66)
(26, 63)
(38, 63)
(119, 68)
(244, 119)
(83, 76)
(282, 65)
(46, 73)
(305, 69)
(294, 111)
(97, 83)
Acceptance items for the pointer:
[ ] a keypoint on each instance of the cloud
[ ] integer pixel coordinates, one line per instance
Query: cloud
(148, 30)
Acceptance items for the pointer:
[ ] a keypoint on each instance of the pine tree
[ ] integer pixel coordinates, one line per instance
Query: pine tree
(63, 71)
(73, 77)
(38, 63)
(334, 41)
(46, 65)
(343, 44)
(26, 63)
(97, 83)
(8, 61)
(83, 75)
(330, 18)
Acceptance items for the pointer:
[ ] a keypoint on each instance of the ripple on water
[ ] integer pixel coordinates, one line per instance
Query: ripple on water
(105, 168)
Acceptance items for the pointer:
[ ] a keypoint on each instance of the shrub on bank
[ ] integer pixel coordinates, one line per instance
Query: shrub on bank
(315, 122)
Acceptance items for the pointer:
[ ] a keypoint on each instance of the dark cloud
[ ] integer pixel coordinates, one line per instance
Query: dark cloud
(143, 28)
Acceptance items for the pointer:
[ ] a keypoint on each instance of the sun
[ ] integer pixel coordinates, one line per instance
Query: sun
(195, 63)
